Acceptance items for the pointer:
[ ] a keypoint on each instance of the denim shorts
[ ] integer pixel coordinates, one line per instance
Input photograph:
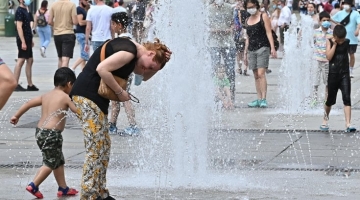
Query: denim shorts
(80, 37)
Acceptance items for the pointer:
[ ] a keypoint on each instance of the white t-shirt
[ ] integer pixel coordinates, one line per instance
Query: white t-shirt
(285, 16)
(119, 9)
(100, 17)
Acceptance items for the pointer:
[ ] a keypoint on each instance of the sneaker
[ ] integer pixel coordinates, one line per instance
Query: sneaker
(268, 71)
(19, 88)
(66, 192)
(112, 129)
(245, 73)
(34, 190)
(350, 129)
(42, 52)
(254, 104)
(313, 103)
(32, 88)
(263, 103)
(131, 130)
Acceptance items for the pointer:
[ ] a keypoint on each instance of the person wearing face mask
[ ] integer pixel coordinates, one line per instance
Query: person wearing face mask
(258, 48)
(123, 56)
(312, 12)
(321, 35)
(284, 20)
(25, 43)
(351, 21)
(302, 7)
(221, 39)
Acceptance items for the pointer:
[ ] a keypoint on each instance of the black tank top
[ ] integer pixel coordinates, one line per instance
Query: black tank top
(340, 61)
(257, 35)
(88, 81)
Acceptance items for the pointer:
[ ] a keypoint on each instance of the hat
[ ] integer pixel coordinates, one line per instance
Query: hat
(350, 2)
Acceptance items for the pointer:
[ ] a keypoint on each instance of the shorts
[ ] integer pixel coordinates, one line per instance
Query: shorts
(65, 45)
(240, 46)
(322, 72)
(339, 81)
(28, 53)
(352, 48)
(50, 143)
(80, 37)
(1, 61)
(259, 58)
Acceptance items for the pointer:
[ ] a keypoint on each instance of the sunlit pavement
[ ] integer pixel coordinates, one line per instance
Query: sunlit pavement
(249, 157)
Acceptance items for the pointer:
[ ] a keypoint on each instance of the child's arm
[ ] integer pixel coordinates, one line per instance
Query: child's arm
(30, 104)
(330, 51)
(72, 106)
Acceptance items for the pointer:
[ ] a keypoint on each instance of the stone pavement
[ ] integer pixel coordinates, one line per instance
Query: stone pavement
(249, 156)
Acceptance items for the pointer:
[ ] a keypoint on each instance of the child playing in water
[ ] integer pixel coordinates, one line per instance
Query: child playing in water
(339, 76)
(321, 35)
(222, 85)
(48, 134)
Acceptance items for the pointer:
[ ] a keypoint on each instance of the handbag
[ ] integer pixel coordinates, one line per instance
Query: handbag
(346, 20)
(104, 90)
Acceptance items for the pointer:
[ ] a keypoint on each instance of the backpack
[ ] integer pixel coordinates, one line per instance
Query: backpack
(41, 20)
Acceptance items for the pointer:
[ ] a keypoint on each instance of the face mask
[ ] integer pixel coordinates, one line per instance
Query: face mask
(219, 2)
(311, 13)
(138, 79)
(326, 24)
(279, 7)
(274, 6)
(262, 9)
(252, 11)
(346, 7)
(27, 2)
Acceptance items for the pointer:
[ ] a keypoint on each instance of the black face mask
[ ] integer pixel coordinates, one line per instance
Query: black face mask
(83, 5)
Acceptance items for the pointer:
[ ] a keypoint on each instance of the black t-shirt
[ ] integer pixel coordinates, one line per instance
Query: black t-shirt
(340, 61)
(22, 15)
(88, 81)
(79, 28)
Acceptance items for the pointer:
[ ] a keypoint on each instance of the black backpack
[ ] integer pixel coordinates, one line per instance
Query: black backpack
(41, 20)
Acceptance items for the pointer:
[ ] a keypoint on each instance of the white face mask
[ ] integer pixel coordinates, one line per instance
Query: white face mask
(252, 11)
(262, 9)
(219, 2)
(346, 7)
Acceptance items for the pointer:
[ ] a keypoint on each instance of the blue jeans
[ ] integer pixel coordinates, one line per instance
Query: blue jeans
(80, 37)
(96, 44)
(45, 35)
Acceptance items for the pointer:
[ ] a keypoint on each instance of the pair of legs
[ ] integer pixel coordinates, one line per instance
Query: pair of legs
(228, 55)
(84, 56)
(224, 95)
(322, 73)
(45, 36)
(138, 31)
(7, 83)
(338, 81)
(45, 171)
(65, 48)
(97, 146)
(24, 55)
(240, 47)
(129, 109)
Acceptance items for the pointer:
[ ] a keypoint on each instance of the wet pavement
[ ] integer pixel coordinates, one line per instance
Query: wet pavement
(254, 154)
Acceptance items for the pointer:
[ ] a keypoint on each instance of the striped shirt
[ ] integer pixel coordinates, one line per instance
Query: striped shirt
(320, 43)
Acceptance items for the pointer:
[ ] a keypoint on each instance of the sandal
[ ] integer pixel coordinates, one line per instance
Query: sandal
(350, 129)
(324, 127)
(66, 192)
(34, 190)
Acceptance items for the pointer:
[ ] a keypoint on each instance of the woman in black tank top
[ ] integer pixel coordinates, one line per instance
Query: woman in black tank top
(259, 46)
(122, 57)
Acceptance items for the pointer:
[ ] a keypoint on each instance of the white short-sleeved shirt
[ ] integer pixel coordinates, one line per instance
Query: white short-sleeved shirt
(100, 18)
(119, 9)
